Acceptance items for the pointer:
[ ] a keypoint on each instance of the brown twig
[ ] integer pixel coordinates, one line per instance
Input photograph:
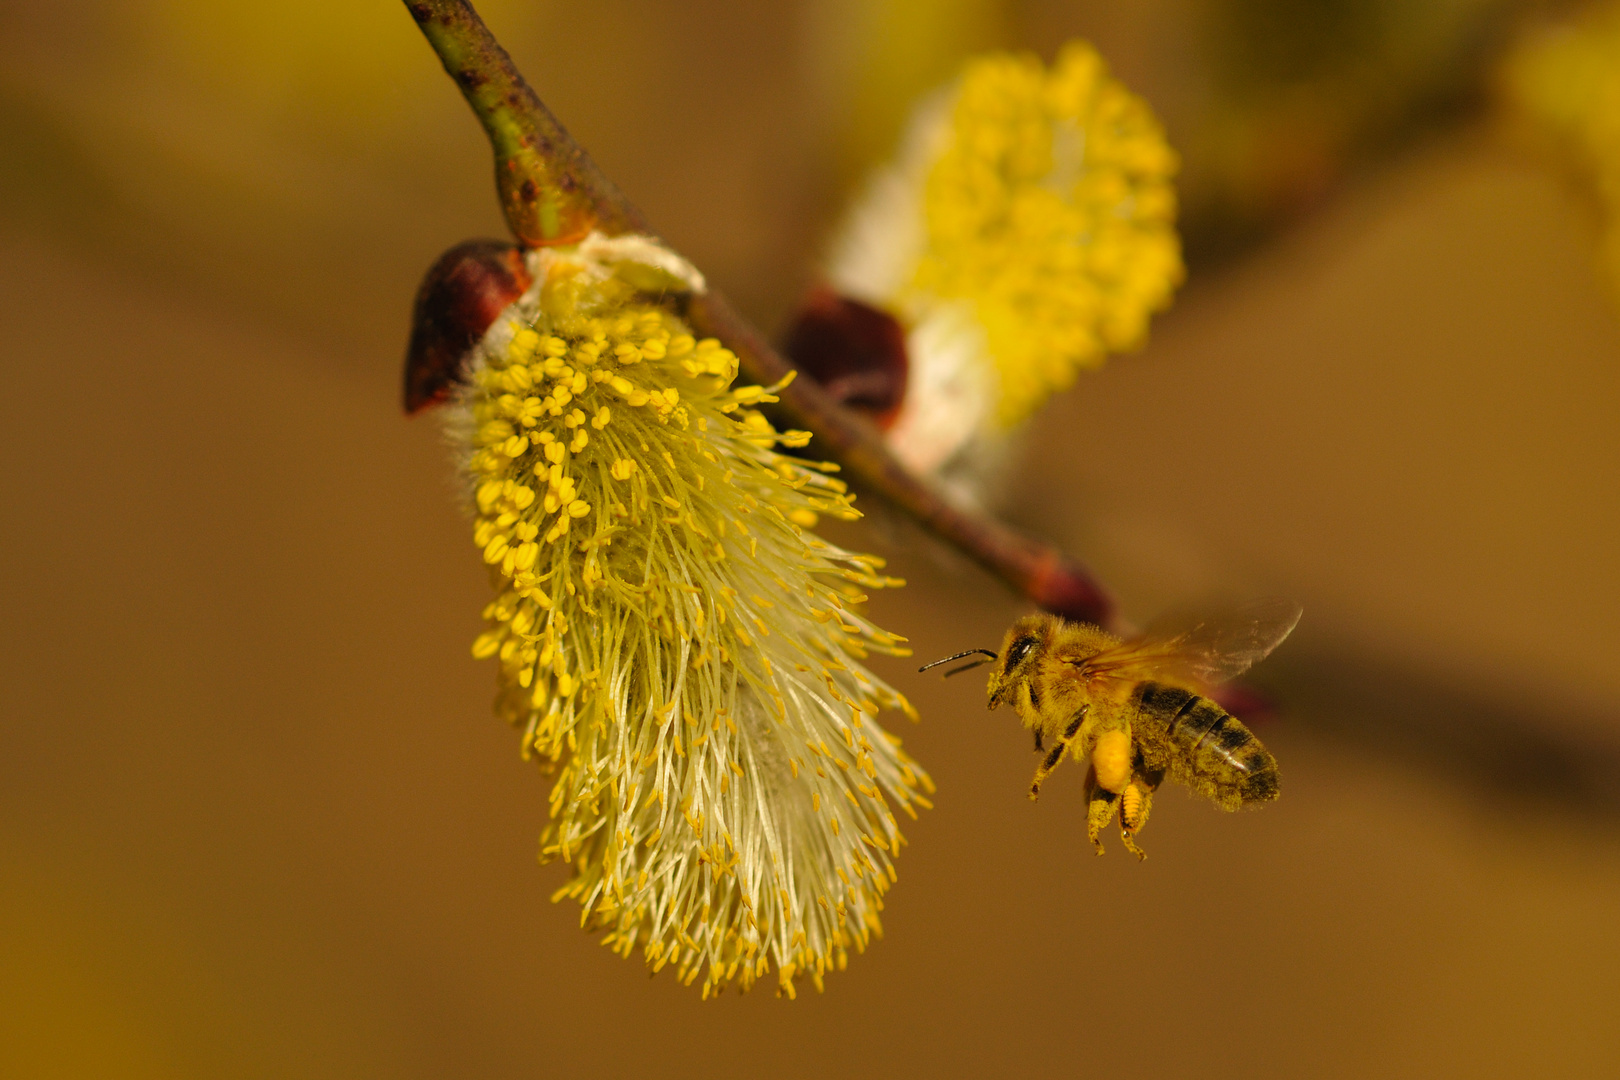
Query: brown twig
(552, 192)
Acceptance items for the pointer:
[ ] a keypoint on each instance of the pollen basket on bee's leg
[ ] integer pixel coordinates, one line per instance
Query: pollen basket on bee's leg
(671, 637)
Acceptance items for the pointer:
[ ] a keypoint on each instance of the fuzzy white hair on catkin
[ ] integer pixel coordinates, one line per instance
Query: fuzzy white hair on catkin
(874, 249)
(943, 429)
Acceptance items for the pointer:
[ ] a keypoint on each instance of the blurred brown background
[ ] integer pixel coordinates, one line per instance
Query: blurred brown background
(256, 819)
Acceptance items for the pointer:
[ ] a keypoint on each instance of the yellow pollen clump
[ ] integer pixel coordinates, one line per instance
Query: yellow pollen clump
(1051, 212)
(636, 516)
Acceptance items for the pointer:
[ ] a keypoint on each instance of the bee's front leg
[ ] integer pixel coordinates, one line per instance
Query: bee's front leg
(1050, 761)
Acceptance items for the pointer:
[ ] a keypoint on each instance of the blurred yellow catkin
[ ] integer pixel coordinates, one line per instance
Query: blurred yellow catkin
(1024, 231)
(1564, 82)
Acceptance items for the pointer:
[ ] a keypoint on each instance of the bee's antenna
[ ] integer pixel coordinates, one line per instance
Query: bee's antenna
(959, 656)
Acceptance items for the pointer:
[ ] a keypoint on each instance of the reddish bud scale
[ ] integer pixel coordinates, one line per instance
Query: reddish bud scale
(855, 351)
(461, 295)
(1252, 706)
(1064, 589)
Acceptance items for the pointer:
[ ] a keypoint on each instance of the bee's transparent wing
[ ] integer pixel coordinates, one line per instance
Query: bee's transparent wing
(1202, 647)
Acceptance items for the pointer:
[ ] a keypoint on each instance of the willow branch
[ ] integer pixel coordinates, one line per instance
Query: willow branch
(1038, 571)
(552, 192)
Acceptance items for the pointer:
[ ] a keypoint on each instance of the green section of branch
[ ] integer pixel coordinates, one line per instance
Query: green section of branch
(552, 192)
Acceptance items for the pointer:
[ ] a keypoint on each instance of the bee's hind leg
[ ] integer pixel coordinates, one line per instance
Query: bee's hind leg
(1106, 782)
(1133, 814)
(1100, 804)
(1134, 805)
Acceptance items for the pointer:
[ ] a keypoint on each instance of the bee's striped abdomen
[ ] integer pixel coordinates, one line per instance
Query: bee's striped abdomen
(1207, 748)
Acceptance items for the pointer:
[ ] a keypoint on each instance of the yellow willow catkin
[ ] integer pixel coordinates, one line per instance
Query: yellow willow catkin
(1051, 210)
(1029, 218)
(670, 635)
(1565, 82)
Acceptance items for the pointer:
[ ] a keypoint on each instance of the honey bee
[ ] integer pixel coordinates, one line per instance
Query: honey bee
(1136, 708)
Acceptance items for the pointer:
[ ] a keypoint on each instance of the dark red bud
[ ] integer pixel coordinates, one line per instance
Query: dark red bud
(1248, 704)
(855, 351)
(460, 296)
(1064, 589)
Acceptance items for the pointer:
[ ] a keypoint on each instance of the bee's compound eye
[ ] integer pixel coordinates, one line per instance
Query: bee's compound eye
(1017, 651)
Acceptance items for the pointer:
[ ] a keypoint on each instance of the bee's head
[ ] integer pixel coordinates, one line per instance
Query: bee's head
(1020, 651)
